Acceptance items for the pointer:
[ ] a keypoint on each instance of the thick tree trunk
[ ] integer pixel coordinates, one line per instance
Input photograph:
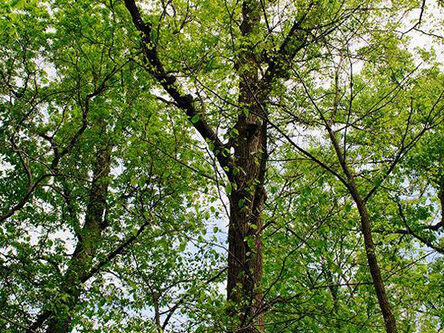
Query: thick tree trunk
(248, 195)
(246, 170)
(245, 252)
(89, 240)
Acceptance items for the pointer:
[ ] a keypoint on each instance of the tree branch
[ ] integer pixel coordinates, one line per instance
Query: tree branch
(168, 82)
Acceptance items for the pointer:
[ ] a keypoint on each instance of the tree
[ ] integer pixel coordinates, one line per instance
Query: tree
(133, 131)
(246, 167)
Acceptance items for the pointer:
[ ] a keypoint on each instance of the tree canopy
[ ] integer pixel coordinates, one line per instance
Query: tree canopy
(221, 166)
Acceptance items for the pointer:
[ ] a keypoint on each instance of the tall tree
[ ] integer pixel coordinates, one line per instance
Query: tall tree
(245, 168)
(219, 166)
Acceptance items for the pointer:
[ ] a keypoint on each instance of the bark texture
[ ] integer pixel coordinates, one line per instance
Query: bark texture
(248, 195)
(245, 170)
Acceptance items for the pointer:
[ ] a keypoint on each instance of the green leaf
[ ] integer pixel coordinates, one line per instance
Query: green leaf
(228, 188)
(195, 119)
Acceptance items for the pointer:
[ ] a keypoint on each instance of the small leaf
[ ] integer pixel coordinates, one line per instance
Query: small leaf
(228, 188)
(195, 119)
(241, 203)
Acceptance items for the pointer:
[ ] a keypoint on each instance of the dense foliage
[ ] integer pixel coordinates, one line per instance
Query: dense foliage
(221, 166)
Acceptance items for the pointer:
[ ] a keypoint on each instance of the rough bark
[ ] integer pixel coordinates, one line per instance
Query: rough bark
(244, 236)
(248, 195)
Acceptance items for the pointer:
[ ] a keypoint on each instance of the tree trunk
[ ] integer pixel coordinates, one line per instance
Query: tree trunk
(89, 239)
(375, 271)
(378, 282)
(246, 170)
(248, 195)
(441, 200)
(245, 248)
